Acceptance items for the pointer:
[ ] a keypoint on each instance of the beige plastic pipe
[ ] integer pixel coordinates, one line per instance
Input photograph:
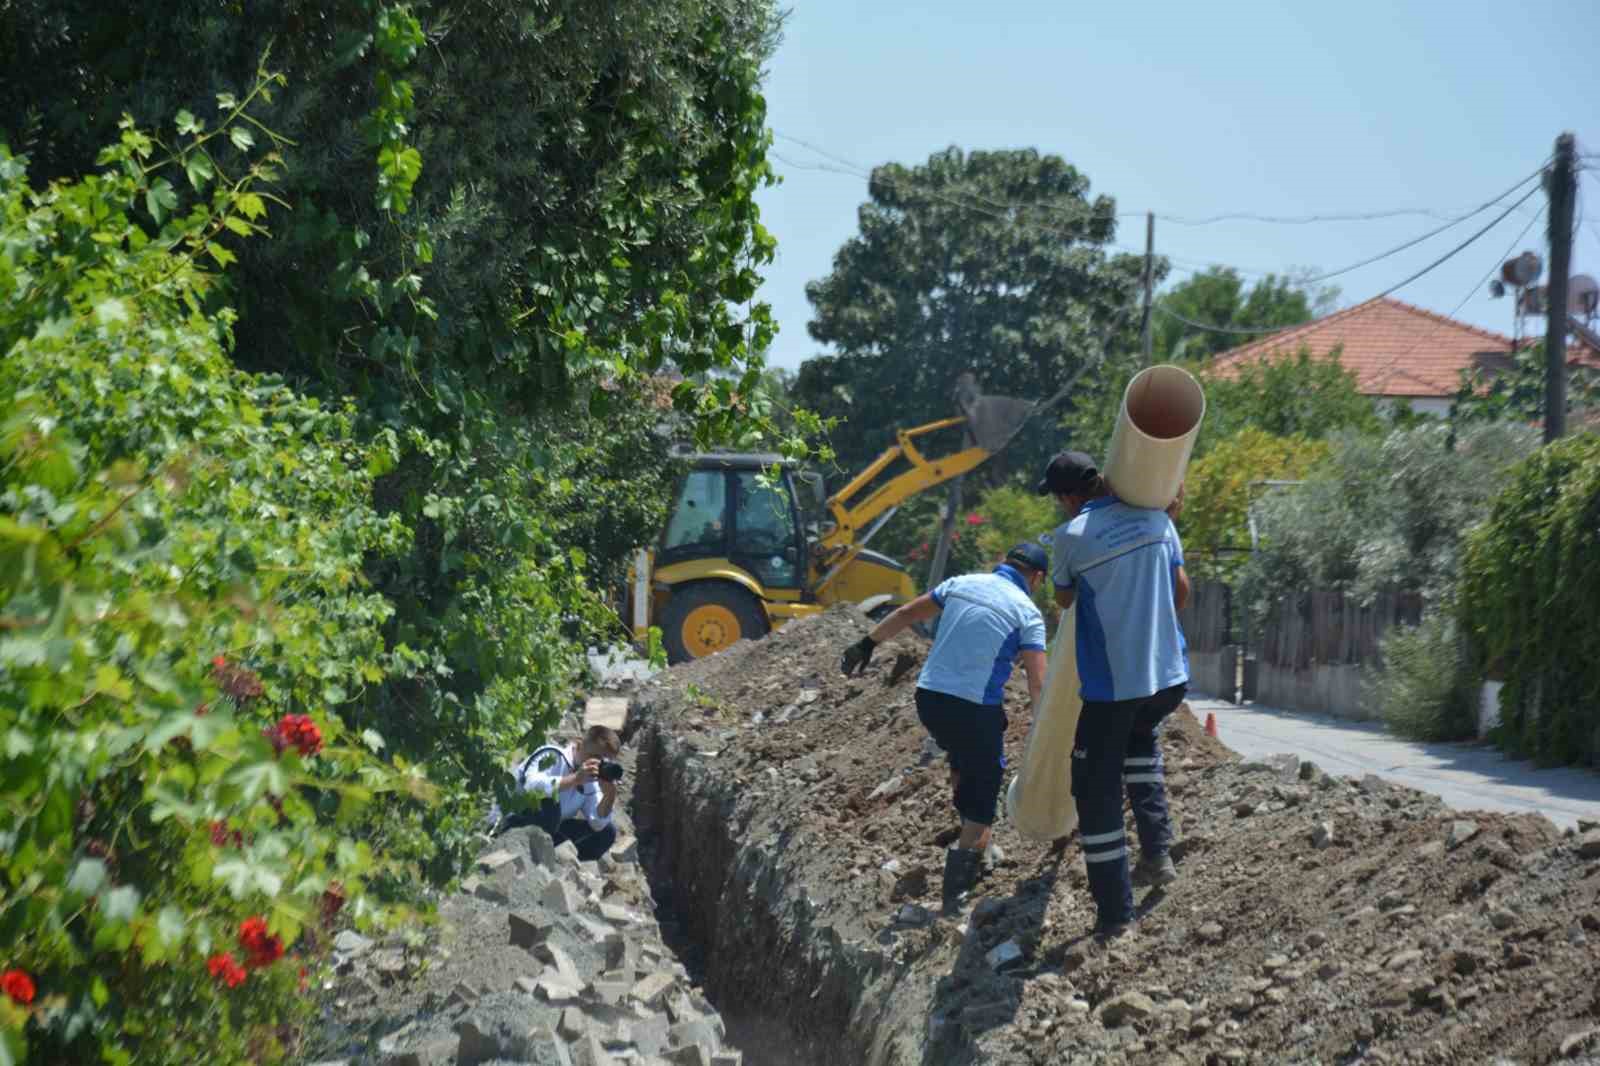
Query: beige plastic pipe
(1156, 429)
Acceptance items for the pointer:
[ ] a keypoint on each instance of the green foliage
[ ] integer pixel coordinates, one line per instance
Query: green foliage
(181, 570)
(1217, 297)
(1426, 689)
(1218, 491)
(1381, 514)
(1287, 397)
(1013, 514)
(500, 224)
(1516, 392)
(1530, 580)
(940, 280)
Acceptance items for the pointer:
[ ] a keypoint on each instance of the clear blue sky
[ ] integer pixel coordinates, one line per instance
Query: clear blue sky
(1194, 109)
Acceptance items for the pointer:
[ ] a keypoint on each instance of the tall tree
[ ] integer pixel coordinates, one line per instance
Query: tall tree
(989, 262)
(1218, 297)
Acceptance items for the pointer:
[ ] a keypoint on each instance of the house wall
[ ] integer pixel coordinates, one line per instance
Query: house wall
(1422, 405)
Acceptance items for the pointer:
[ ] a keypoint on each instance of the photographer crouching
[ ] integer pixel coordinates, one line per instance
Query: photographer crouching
(579, 786)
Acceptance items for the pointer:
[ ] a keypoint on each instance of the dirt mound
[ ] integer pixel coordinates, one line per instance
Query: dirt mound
(1316, 919)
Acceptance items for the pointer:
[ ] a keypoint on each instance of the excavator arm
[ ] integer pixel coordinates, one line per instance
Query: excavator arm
(855, 520)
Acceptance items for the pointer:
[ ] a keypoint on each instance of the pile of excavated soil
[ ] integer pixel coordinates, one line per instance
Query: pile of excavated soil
(1316, 919)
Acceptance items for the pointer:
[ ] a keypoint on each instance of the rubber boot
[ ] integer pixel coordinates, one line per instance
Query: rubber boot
(960, 874)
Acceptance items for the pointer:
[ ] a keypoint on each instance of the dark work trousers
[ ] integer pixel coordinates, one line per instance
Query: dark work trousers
(1117, 745)
(973, 735)
(591, 843)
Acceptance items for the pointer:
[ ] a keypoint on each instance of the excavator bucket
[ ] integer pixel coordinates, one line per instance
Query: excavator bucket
(991, 420)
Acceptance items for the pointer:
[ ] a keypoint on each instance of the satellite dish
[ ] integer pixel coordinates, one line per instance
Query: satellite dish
(1530, 301)
(1583, 295)
(1523, 270)
(1497, 288)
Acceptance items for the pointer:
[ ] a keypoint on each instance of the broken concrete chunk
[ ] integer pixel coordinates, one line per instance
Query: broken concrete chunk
(1322, 835)
(1127, 1007)
(703, 1031)
(352, 943)
(567, 852)
(564, 966)
(494, 860)
(560, 898)
(1461, 831)
(611, 912)
(888, 789)
(437, 1049)
(557, 989)
(609, 991)
(690, 1055)
(1003, 955)
(1589, 844)
(527, 930)
(573, 1023)
(650, 989)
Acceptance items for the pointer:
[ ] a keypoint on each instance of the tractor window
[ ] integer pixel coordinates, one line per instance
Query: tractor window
(764, 530)
(697, 519)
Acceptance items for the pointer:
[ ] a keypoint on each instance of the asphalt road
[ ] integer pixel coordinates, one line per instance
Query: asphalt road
(1466, 776)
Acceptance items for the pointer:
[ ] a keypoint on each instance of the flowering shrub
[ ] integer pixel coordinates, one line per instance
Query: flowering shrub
(154, 502)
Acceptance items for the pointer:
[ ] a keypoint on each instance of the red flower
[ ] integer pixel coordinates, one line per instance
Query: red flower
(976, 519)
(221, 836)
(295, 731)
(304, 983)
(218, 662)
(18, 985)
(264, 948)
(226, 970)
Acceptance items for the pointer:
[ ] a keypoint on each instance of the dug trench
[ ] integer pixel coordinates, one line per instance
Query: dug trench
(792, 823)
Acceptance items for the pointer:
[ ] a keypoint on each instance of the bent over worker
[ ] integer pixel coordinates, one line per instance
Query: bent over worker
(988, 621)
(1122, 566)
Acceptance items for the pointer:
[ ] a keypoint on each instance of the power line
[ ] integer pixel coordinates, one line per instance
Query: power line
(1258, 331)
(1388, 369)
(1243, 331)
(849, 167)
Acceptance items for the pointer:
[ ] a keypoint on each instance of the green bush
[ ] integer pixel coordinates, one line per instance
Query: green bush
(1426, 689)
(1219, 489)
(1381, 514)
(1530, 582)
(183, 618)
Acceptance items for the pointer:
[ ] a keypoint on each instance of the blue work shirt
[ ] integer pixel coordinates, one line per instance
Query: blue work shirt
(987, 620)
(1121, 561)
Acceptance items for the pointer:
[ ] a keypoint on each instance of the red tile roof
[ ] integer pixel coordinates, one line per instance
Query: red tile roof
(1392, 347)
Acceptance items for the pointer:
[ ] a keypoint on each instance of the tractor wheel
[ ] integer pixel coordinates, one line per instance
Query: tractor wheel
(703, 619)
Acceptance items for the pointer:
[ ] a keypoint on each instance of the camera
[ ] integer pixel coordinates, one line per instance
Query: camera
(610, 771)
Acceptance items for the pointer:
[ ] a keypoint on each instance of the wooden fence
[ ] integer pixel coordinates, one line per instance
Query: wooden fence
(1320, 628)
(1205, 617)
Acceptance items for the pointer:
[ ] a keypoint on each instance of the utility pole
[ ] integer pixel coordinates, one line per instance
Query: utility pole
(947, 533)
(1561, 184)
(1149, 280)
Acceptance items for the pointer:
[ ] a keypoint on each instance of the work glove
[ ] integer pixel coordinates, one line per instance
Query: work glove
(857, 656)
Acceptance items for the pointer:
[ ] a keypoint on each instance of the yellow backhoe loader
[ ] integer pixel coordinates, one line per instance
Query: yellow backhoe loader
(742, 553)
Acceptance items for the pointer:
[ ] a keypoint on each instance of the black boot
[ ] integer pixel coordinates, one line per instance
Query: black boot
(960, 874)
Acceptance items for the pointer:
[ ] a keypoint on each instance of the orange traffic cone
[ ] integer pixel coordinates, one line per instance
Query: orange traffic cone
(1211, 723)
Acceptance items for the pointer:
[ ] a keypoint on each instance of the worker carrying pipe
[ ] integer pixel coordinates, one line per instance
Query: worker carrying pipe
(987, 621)
(1119, 665)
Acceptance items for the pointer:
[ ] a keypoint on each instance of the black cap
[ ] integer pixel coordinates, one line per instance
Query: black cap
(1031, 555)
(1067, 473)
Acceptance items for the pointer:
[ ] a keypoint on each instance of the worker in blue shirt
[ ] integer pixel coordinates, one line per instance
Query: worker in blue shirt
(1122, 568)
(986, 622)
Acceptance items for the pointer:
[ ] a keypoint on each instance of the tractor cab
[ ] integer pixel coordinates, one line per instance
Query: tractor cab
(733, 556)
